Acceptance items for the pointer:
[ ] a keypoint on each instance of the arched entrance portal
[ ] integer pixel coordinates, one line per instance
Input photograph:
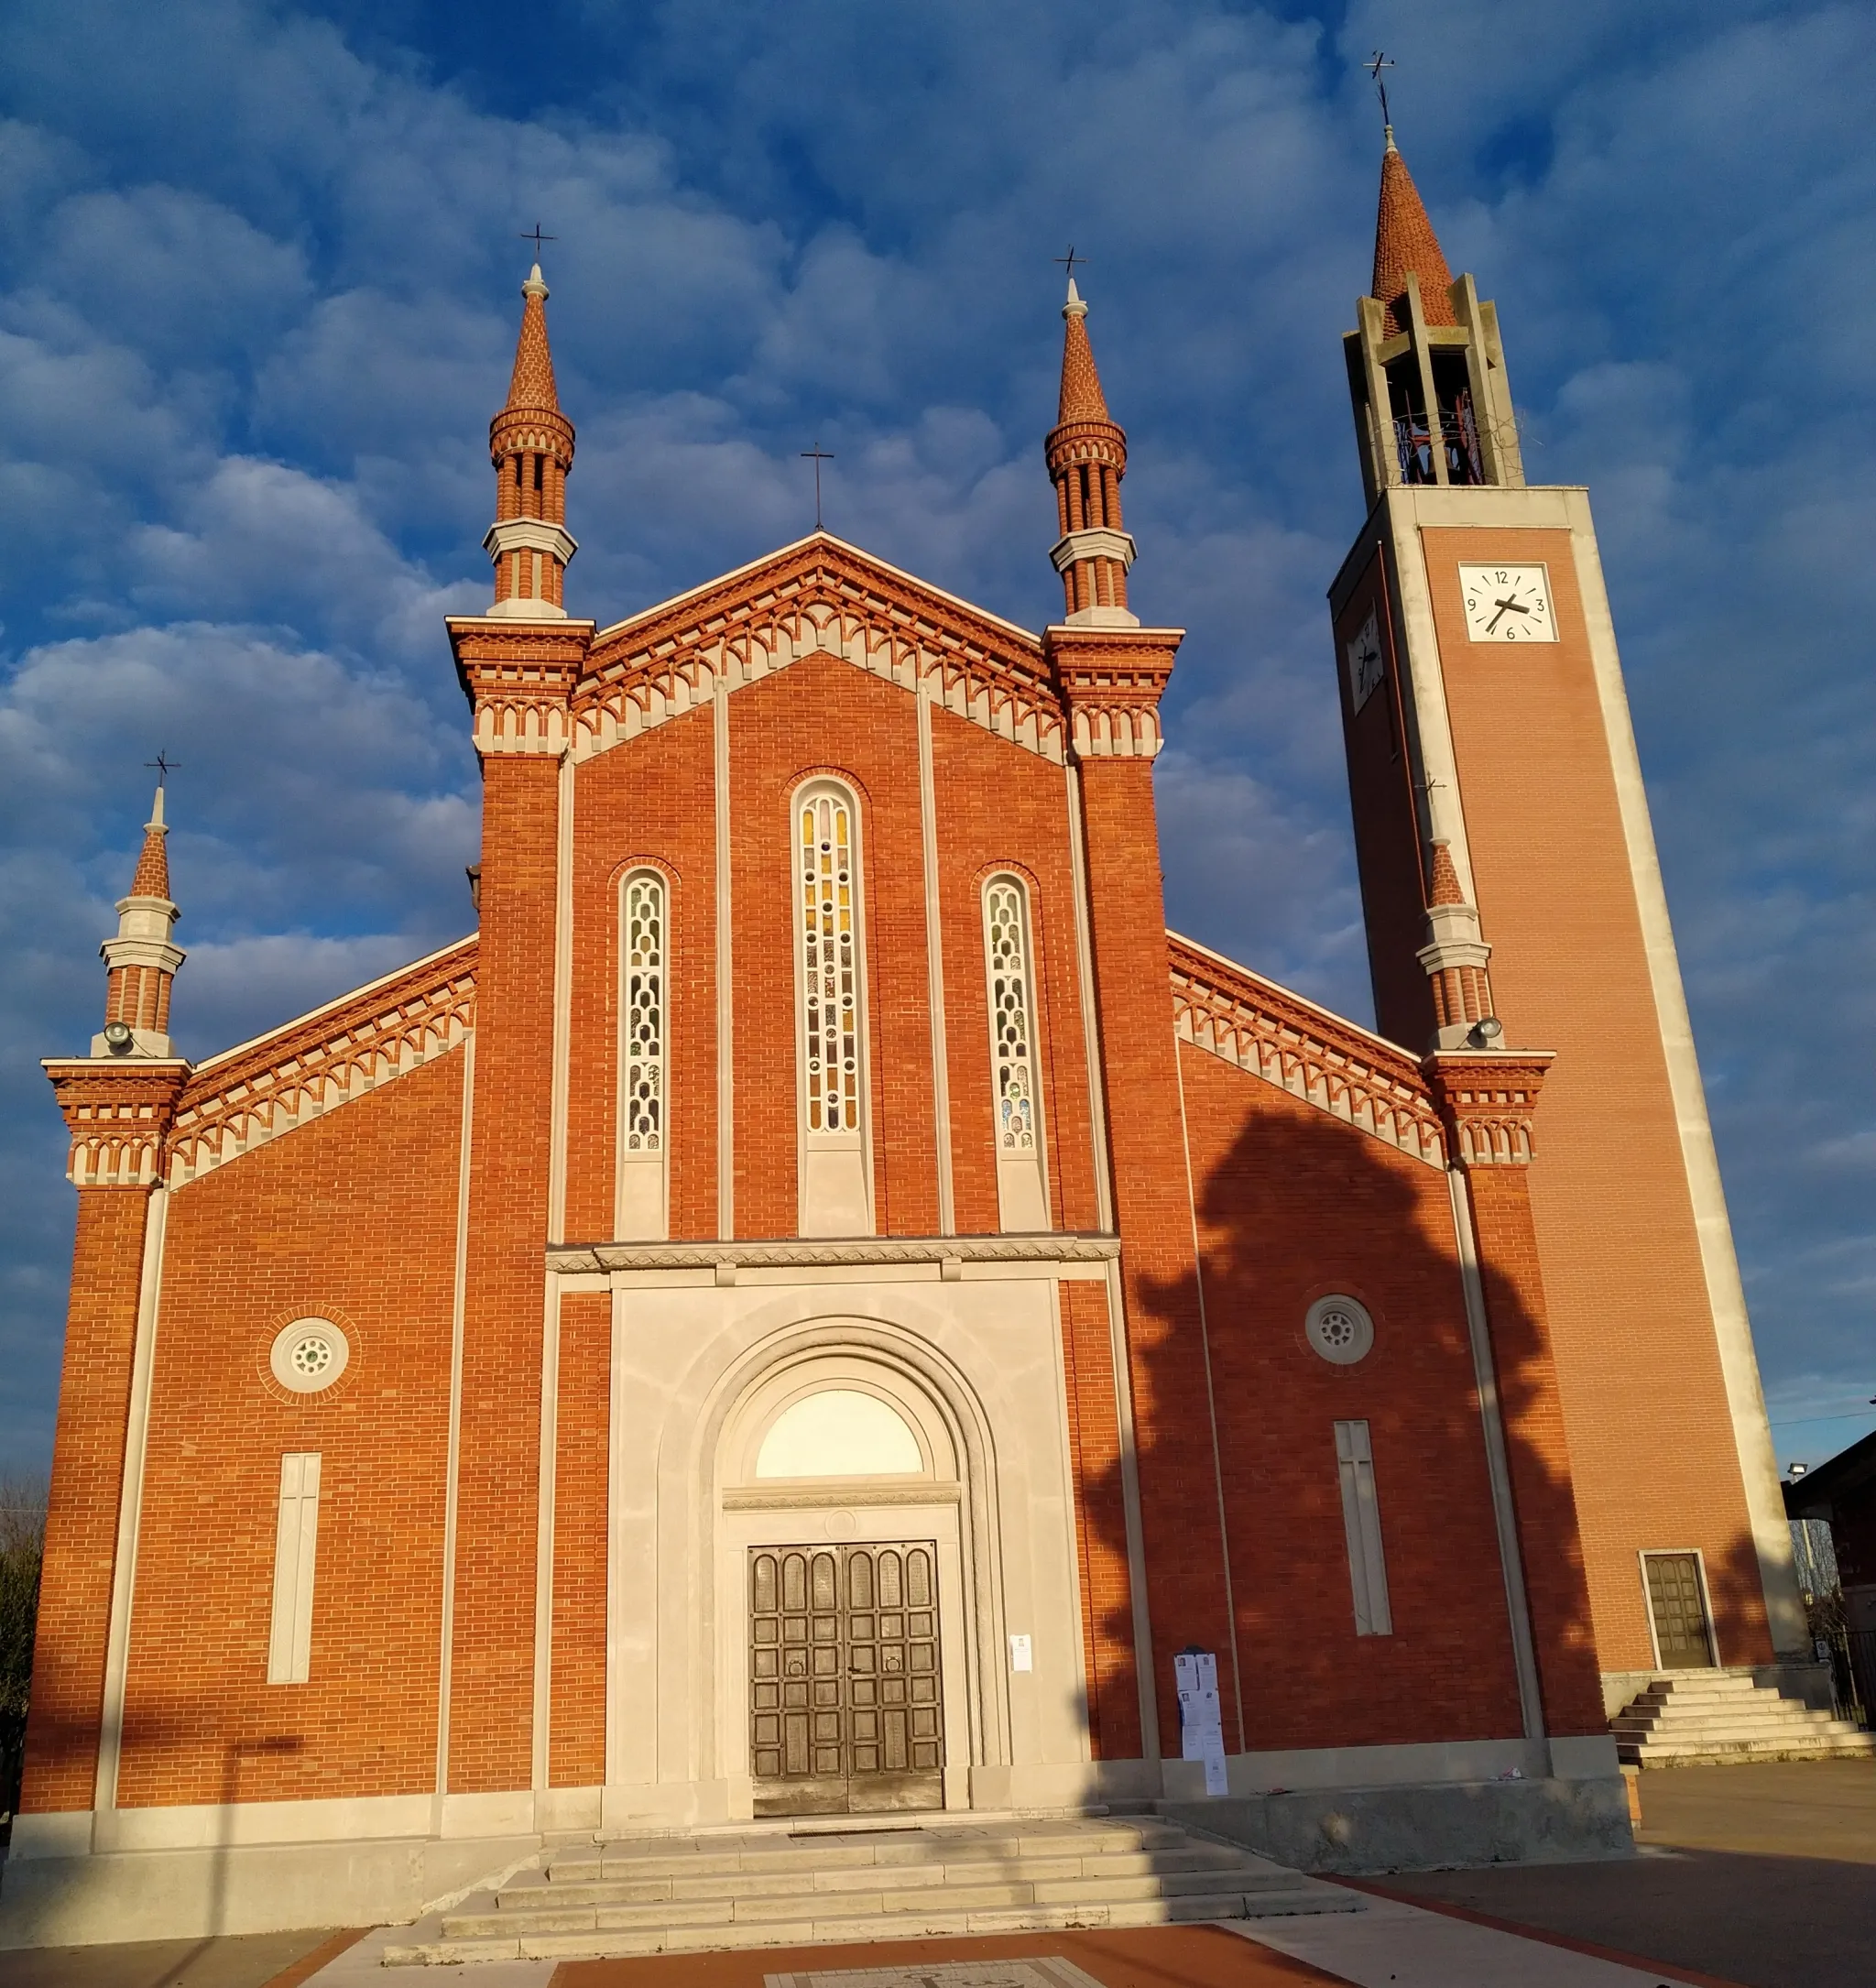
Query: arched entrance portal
(844, 1536)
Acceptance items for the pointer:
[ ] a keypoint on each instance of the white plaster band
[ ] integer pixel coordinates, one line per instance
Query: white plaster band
(530, 535)
(1095, 541)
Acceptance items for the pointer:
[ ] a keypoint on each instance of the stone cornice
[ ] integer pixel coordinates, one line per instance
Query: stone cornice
(807, 1253)
(820, 597)
(1489, 1099)
(1112, 681)
(118, 1111)
(1247, 1021)
(307, 1067)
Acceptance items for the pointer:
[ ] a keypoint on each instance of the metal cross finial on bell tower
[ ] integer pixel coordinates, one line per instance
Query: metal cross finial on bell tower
(163, 767)
(1374, 65)
(1070, 259)
(537, 237)
(818, 455)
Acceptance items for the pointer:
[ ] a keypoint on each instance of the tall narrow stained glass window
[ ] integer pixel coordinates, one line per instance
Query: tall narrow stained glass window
(1022, 1200)
(643, 1025)
(1007, 942)
(829, 970)
(645, 1013)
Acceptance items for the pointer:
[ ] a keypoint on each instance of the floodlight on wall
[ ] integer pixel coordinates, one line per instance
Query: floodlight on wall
(1485, 1032)
(118, 1038)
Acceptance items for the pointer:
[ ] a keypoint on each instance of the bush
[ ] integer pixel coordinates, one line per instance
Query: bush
(22, 1545)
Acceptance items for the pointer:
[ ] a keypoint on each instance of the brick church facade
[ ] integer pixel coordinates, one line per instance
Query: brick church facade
(821, 1296)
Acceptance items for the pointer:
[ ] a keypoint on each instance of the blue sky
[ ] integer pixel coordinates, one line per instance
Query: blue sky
(259, 296)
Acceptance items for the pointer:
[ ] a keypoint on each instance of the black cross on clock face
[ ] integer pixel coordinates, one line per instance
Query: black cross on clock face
(1508, 604)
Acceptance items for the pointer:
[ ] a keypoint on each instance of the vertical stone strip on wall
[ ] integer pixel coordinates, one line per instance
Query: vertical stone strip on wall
(519, 680)
(87, 1484)
(577, 1740)
(1100, 1524)
(1489, 1103)
(1112, 680)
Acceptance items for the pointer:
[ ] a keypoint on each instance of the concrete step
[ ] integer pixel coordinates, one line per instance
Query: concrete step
(1301, 1896)
(1115, 1866)
(661, 1857)
(1720, 1753)
(1796, 1719)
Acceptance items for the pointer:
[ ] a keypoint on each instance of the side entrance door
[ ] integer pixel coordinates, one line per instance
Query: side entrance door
(1679, 1608)
(846, 1713)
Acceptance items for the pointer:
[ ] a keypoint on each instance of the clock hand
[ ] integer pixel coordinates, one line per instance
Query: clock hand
(1517, 608)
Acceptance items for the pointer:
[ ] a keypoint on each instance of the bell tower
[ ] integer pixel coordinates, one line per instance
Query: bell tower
(1513, 903)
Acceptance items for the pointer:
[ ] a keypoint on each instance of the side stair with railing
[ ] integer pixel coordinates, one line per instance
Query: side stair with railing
(1708, 1718)
(769, 1887)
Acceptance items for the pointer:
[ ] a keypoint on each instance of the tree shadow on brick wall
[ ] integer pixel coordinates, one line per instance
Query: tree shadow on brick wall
(1294, 1203)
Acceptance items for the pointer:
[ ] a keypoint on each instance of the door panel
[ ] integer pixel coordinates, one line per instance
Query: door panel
(1679, 1611)
(845, 1709)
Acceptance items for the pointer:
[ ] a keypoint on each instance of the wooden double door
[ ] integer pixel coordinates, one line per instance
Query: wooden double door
(1682, 1637)
(846, 1706)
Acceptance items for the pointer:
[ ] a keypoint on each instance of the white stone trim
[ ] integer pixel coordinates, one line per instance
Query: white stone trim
(1022, 1180)
(1094, 541)
(811, 1254)
(1726, 1293)
(296, 1561)
(531, 535)
(543, 1529)
(641, 1185)
(935, 958)
(560, 1079)
(130, 1504)
(1645, 1554)
(1498, 1468)
(724, 979)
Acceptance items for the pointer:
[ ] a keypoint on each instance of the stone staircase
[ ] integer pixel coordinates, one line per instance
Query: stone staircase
(763, 1886)
(1711, 1718)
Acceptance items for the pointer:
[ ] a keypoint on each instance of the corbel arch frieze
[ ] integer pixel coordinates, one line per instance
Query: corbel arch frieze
(634, 687)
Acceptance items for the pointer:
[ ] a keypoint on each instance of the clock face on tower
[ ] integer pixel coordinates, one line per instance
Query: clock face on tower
(1508, 604)
(1364, 663)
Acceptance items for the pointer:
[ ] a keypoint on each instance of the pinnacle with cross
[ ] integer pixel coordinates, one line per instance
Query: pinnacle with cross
(818, 455)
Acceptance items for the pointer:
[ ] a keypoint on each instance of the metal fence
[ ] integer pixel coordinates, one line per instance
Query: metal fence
(1851, 1654)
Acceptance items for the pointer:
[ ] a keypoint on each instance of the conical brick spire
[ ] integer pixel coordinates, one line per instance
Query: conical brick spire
(531, 385)
(1082, 398)
(140, 960)
(1087, 450)
(530, 443)
(1443, 887)
(1404, 241)
(152, 878)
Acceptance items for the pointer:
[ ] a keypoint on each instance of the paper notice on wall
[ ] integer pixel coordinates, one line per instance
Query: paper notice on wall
(1201, 1719)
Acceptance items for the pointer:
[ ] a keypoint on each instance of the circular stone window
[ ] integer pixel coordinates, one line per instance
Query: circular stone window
(1340, 1329)
(310, 1354)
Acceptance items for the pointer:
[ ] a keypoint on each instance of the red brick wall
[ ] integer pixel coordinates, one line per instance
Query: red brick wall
(1538, 1450)
(352, 1217)
(998, 805)
(653, 798)
(577, 1704)
(498, 1475)
(1294, 1205)
(1386, 836)
(81, 1510)
(1179, 1494)
(1614, 1221)
(1100, 1524)
(822, 715)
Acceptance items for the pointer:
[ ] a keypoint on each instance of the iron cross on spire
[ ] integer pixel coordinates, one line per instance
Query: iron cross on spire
(1069, 261)
(537, 237)
(818, 455)
(1374, 65)
(164, 767)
